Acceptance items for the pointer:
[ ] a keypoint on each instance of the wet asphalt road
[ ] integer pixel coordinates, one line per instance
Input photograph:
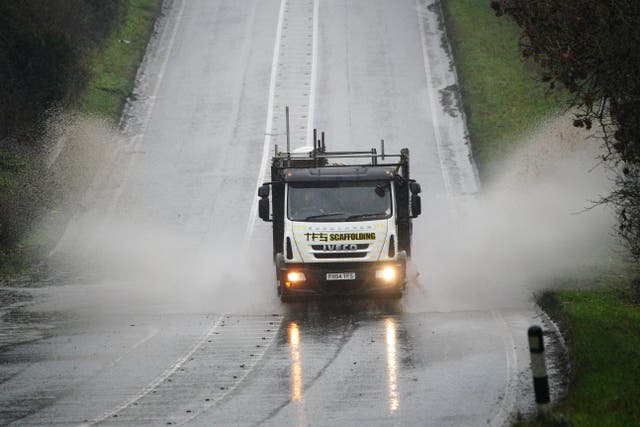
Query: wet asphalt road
(158, 306)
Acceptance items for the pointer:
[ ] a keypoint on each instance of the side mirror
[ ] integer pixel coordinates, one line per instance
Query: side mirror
(414, 187)
(416, 206)
(263, 191)
(263, 209)
(399, 180)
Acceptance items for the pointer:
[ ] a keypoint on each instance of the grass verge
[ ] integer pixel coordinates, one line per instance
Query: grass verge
(602, 329)
(113, 68)
(503, 96)
(503, 99)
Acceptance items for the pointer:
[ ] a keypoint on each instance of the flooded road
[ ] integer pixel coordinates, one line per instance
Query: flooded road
(314, 363)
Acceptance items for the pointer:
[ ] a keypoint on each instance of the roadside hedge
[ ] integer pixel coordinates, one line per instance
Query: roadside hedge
(44, 45)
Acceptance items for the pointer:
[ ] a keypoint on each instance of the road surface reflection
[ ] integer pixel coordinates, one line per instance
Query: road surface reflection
(293, 334)
(391, 329)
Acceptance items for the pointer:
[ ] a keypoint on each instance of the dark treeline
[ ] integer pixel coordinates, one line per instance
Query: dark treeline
(43, 50)
(45, 46)
(592, 47)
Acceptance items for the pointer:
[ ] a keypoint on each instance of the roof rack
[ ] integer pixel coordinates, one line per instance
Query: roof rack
(318, 156)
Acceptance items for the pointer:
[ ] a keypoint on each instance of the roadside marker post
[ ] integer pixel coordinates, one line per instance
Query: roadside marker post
(539, 368)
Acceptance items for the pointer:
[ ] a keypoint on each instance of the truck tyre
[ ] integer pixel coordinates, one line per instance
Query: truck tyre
(279, 261)
(396, 295)
(284, 296)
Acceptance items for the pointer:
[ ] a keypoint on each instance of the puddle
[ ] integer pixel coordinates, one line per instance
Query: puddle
(20, 325)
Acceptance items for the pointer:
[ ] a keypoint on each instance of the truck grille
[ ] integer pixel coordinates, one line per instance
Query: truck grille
(359, 246)
(341, 255)
(339, 251)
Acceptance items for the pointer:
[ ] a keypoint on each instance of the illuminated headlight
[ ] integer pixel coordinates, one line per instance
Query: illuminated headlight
(387, 274)
(295, 277)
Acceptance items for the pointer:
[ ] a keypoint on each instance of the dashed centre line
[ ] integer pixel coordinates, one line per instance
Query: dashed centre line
(222, 358)
(293, 75)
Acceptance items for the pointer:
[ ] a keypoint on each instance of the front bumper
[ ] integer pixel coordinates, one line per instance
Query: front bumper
(365, 281)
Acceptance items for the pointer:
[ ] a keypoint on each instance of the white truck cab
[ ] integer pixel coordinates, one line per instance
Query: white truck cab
(341, 228)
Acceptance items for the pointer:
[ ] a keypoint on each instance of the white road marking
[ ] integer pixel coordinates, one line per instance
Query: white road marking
(268, 138)
(266, 147)
(251, 366)
(152, 333)
(508, 402)
(158, 380)
(312, 88)
(137, 140)
(446, 176)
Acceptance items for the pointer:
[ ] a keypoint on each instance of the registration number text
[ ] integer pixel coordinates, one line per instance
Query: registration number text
(341, 276)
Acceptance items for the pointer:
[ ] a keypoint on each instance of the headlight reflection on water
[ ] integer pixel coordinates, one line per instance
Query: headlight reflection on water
(297, 382)
(391, 328)
(296, 362)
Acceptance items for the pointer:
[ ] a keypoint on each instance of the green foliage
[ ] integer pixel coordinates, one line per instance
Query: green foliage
(57, 53)
(546, 420)
(602, 330)
(114, 68)
(591, 48)
(21, 193)
(502, 95)
(43, 46)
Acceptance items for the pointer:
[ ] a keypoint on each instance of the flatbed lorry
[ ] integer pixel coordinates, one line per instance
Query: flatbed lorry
(341, 221)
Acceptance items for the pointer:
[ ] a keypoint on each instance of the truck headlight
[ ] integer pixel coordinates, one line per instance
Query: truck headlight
(388, 274)
(296, 277)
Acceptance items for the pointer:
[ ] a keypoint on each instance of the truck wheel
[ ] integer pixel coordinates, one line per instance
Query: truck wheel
(283, 294)
(396, 295)
(285, 297)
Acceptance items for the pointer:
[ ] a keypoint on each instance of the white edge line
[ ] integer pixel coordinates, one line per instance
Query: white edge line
(158, 380)
(507, 404)
(138, 138)
(147, 119)
(555, 327)
(152, 333)
(314, 62)
(266, 147)
(432, 101)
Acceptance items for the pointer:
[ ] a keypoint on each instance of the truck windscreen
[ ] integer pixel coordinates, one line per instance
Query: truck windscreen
(339, 201)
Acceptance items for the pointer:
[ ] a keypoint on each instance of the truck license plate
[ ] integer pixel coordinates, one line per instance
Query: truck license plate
(341, 276)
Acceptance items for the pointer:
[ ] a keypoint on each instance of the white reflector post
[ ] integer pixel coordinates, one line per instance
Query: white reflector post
(539, 368)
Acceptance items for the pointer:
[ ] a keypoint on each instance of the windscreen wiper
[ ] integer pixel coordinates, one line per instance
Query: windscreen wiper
(366, 215)
(323, 215)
